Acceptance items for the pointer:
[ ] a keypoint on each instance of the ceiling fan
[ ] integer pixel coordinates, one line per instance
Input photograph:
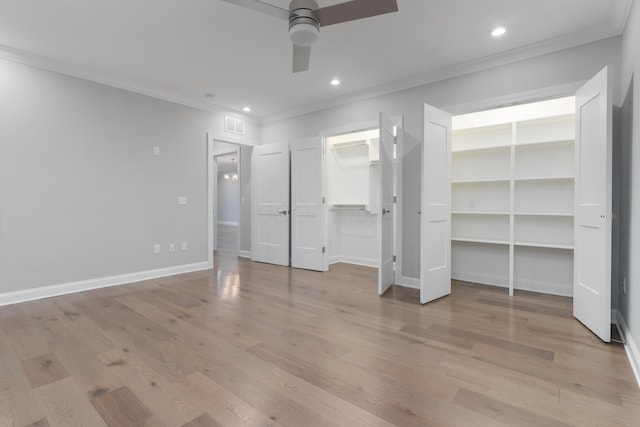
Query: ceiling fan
(305, 19)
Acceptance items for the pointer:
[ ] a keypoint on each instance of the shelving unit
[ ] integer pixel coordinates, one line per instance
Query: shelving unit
(513, 201)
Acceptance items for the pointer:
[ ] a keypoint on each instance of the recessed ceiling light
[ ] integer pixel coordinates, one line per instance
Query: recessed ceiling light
(246, 109)
(498, 31)
(209, 95)
(335, 82)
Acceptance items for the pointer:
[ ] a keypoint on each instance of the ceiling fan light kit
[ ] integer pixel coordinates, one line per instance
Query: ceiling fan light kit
(305, 19)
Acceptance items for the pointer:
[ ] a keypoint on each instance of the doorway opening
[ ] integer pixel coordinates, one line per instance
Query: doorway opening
(227, 203)
(229, 198)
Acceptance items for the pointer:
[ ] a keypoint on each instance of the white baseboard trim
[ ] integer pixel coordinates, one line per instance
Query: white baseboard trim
(103, 282)
(544, 288)
(532, 286)
(334, 260)
(483, 279)
(630, 346)
(234, 223)
(408, 282)
(244, 254)
(365, 262)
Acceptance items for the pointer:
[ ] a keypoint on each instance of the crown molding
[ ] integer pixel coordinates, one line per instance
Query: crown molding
(481, 64)
(619, 16)
(50, 64)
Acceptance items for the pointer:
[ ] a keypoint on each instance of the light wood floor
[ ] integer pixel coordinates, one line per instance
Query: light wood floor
(253, 344)
(227, 240)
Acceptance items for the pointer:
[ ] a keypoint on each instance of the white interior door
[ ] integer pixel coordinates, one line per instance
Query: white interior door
(435, 238)
(270, 209)
(385, 200)
(307, 207)
(592, 227)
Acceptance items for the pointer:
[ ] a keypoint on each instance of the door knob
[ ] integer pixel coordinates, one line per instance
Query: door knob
(385, 211)
(282, 212)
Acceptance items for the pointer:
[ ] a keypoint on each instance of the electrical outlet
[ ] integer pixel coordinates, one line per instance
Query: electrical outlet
(624, 286)
(156, 150)
(172, 247)
(184, 246)
(156, 249)
(182, 200)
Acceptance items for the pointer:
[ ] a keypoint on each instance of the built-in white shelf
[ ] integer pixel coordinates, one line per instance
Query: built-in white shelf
(543, 245)
(349, 207)
(481, 181)
(513, 186)
(545, 178)
(478, 213)
(488, 241)
(565, 214)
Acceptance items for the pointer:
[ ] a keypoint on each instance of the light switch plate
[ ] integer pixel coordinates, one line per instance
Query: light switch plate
(182, 200)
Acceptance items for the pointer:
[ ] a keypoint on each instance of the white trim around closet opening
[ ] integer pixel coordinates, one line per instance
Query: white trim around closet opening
(559, 91)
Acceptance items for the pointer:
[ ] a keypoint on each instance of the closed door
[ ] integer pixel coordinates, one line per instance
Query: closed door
(270, 208)
(307, 205)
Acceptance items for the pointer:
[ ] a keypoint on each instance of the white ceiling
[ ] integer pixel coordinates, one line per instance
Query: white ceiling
(183, 49)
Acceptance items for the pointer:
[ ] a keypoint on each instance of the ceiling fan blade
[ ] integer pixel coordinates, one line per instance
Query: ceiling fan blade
(262, 7)
(301, 56)
(355, 9)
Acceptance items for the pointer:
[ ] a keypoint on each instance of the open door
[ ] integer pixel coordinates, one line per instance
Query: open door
(593, 208)
(214, 208)
(270, 208)
(385, 200)
(435, 239)
(307, 207)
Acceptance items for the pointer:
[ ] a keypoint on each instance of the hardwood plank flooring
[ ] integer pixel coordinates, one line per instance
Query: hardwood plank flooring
(251, 344)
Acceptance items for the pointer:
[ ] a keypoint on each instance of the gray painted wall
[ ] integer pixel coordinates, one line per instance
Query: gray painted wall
(630, 178)
(81, 194)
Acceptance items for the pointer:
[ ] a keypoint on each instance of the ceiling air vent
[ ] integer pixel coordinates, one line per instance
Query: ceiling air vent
(233, 125)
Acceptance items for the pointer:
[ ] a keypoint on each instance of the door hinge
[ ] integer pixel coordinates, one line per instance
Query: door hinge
(394, 258)
(324, 249)
(395, 199)
(324, 201)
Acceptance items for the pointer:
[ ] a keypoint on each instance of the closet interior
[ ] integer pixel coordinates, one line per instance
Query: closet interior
(512, 190)
(352, 181)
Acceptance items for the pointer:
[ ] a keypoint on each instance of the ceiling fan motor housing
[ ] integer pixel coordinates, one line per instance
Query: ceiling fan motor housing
(304, 26)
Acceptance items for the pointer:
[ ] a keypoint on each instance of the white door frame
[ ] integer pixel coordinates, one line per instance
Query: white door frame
(212, 183)
(559, 91)
(358, 127)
